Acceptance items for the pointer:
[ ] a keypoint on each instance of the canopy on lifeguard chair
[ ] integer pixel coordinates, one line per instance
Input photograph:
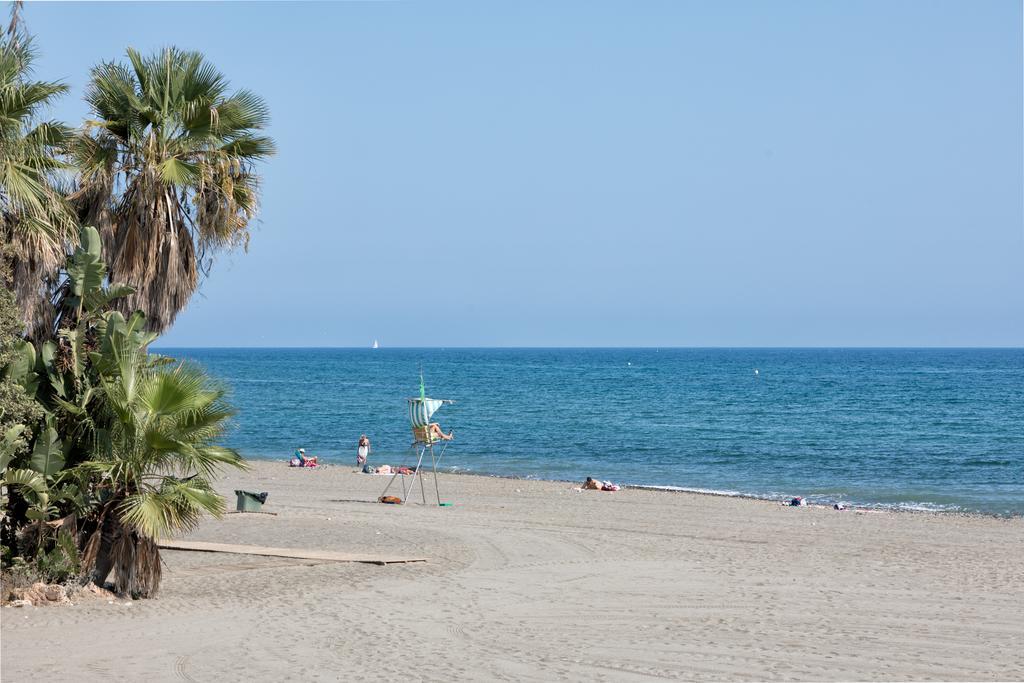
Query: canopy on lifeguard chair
(421, 409)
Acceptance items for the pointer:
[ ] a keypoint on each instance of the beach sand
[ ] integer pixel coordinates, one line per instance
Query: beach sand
(531, 580)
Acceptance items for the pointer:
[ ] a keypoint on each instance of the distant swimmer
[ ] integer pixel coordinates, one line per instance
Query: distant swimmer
(756, 371)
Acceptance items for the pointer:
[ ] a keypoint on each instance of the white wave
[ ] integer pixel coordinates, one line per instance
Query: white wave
(685, 489)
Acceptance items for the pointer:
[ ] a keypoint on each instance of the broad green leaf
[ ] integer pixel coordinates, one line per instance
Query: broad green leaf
(33, 481)
(90, 242)
(86, 274)
(86, 269)
(47, 353)
(22, 368)
(117, 291)
(8, 445)
(47, 456)
(39, 515)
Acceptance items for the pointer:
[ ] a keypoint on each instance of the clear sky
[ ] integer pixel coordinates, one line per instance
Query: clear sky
(608, 173)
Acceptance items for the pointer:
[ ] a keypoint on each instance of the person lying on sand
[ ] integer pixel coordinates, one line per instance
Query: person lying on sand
(592, 484)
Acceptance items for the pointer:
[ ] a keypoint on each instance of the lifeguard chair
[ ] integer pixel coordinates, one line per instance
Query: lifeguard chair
(425, 439)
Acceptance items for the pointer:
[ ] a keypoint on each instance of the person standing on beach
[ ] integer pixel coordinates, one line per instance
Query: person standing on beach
(363, 451)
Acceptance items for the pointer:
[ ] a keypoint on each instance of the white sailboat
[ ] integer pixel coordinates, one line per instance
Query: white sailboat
(375, 344)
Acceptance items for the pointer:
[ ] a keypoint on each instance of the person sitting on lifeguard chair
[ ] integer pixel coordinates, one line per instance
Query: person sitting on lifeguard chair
(431, 433)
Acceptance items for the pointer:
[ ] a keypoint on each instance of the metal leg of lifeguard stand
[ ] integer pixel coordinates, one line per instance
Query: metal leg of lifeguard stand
(415, 473)
(420, 450)
(433, 463)
(406, 490)
(423, 491)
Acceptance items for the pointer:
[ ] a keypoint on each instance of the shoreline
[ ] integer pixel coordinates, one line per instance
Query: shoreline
(769, 498)
(528, 579)
(533, 580)
(816, 424)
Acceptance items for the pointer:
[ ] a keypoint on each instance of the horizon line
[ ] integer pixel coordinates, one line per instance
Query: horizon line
(578, 348)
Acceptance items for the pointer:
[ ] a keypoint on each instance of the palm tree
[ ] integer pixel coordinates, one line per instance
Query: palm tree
(36, 223)
(14, 27)
(154, 462)
(168, 173)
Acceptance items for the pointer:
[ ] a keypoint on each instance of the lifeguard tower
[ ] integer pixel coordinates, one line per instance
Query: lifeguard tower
(427, 437)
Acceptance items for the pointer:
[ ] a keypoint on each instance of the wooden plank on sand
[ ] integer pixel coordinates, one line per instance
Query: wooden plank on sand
(297, 553)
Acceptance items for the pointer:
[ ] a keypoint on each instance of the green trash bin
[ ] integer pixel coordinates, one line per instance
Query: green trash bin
(249, 501)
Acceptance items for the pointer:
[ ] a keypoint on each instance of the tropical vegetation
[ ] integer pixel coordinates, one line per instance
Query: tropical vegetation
(168, 172)
(105, 447)
(126, 446)
(36, 220)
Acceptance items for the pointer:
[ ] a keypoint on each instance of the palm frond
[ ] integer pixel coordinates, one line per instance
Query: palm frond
(173, 507)
(36, 223)
(249, 147)
(179, 173)
(168, 172)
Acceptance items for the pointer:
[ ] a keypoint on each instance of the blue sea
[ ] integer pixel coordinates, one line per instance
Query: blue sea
(910, 428)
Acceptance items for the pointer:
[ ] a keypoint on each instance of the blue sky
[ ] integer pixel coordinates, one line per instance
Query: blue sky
(607, 173)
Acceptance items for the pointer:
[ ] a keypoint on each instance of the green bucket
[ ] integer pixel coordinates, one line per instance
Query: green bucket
(249, 501)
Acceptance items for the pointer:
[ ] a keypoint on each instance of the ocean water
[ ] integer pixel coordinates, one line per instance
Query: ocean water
(930, 429)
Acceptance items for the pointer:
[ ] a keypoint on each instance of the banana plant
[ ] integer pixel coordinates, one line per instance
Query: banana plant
(34, 489)
(40, 484)
(10, 442)
(60, 375)
(48, 451)
(85, 295)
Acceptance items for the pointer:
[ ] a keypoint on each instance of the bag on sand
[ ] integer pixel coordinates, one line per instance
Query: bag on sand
(393, 500)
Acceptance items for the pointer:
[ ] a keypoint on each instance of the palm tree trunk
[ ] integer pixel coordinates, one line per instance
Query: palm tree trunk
(133, 559)
(109, 532)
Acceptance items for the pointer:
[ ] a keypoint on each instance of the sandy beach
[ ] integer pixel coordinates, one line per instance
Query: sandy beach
(531, 580)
